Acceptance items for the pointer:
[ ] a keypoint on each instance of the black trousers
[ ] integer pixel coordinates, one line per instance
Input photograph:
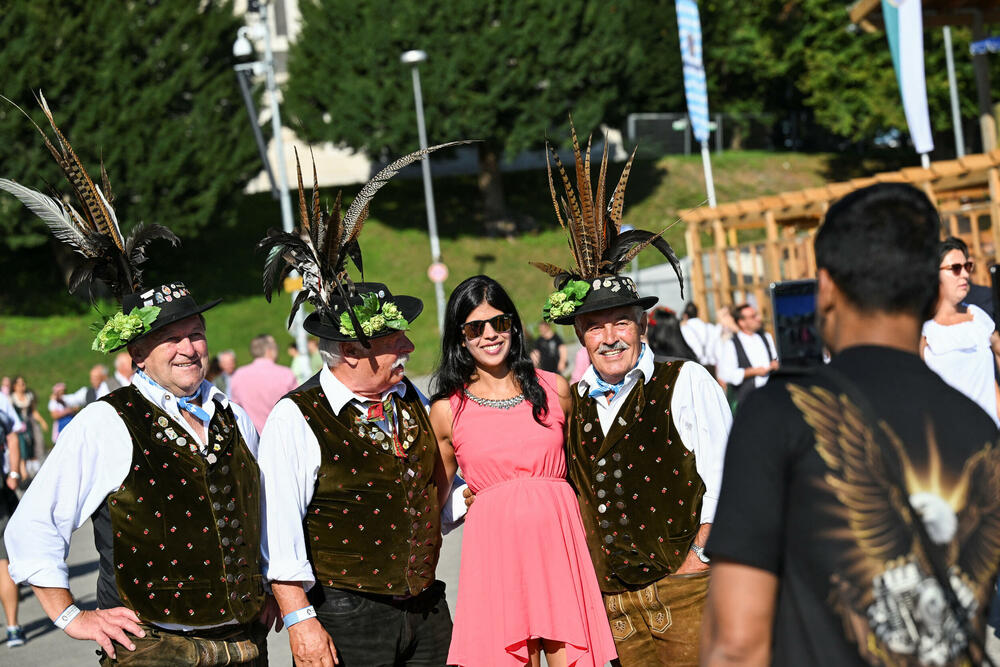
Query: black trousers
(379, 631)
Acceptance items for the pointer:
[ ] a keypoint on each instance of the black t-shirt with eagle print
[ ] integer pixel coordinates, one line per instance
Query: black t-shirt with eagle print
(810, 494)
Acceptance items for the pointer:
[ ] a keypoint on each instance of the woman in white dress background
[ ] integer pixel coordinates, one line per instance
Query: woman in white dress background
(960, 343)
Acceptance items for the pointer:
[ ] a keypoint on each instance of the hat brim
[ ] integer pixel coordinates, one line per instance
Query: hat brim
(167, 320)
(319, 325)
(594, 305)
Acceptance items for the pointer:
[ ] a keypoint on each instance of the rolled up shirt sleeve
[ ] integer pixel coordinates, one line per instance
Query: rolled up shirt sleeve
(703, 419)
(90, 462)
(289, 459)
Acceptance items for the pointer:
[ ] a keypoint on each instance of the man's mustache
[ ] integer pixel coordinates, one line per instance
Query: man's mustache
(401, 361)
(617, 346)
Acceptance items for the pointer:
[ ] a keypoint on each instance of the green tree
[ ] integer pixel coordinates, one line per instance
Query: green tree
(507, 72)
(146, 86)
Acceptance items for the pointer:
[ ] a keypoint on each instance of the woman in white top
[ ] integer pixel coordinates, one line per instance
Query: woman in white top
(961, 344)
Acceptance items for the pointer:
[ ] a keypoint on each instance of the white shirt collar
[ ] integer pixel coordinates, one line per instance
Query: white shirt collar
(122, 380)
(167, 402)
(339, 395)
(644, 367)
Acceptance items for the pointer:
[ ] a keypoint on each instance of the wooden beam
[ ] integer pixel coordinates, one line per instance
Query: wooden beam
(725, 286)
(698, 296)
(862, 9)
(994, 180)
(773, 271)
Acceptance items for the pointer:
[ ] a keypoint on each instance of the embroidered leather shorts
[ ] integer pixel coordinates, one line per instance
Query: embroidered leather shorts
(661, 623)
(227, 646)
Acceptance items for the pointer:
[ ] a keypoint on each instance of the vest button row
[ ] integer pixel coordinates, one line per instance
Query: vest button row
(218, 506)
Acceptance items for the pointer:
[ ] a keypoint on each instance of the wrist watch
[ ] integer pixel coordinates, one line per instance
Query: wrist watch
(15, 475)
(700, 553)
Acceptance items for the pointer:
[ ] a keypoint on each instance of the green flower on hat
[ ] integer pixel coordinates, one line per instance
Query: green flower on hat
(120, 328)
(373, 317)
(565, 301)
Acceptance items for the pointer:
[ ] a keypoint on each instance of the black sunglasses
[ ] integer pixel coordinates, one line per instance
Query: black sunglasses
(501, 324)
(969, 266)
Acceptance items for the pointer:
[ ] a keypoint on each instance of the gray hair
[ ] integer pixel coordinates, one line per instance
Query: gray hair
(331, 352)
(261, 345)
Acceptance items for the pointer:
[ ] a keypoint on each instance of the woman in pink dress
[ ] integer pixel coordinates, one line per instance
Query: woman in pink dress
(527, 583)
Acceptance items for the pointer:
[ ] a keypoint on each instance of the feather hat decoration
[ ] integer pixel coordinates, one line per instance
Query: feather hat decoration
(320, 250)
(599, 248)
(109, 256)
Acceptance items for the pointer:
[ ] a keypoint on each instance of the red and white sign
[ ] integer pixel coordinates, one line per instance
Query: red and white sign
(437, 272)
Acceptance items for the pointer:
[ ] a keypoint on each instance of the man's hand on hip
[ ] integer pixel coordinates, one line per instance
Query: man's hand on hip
(311, 645)
(106, 626)
(692, 564)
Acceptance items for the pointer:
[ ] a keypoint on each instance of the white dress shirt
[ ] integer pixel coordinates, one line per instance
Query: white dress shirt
(122, 380)
(289, 462)
(700, 413)
(699, 336)
(728, 368)
(78, 398)
(15, 426)
(92, 460)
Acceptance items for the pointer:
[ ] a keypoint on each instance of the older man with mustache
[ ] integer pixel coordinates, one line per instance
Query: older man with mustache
(645, 441)
(352, 521)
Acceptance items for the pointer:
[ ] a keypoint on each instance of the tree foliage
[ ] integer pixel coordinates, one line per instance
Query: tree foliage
(507, 72)
(146, 86)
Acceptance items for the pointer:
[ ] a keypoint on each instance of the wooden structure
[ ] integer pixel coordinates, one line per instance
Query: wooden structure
(738, 249)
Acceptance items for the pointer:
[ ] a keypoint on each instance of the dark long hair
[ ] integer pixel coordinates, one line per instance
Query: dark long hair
(665, 338)
(457, 365)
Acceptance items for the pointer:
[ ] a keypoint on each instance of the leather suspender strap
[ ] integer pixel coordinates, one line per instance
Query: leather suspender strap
(937, 569)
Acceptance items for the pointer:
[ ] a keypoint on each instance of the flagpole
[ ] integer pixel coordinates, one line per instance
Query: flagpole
(706, 162)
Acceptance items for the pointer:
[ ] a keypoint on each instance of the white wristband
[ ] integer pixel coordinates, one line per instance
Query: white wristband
(298, 615)
(67, 616)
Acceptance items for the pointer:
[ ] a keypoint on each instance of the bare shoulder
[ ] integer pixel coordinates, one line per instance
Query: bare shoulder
(441, 416)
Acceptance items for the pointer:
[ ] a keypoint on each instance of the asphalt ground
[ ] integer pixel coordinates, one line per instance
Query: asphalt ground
(47, 646)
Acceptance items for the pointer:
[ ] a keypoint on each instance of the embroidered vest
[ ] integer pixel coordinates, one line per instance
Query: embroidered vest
(373, 524)
(179, 541)
(638, 487)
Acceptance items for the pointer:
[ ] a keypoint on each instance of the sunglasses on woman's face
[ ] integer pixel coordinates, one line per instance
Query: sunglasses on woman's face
(969, 266)
(501, 324)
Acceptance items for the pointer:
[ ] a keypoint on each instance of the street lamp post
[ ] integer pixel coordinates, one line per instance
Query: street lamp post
(414, 58)
(242, 48)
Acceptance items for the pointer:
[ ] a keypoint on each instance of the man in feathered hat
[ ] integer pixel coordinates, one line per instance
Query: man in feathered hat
(165, 468)
(645, 441)
(350, 464)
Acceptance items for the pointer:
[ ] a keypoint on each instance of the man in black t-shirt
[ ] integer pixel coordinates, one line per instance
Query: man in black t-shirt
(849, 492)
(549, 352)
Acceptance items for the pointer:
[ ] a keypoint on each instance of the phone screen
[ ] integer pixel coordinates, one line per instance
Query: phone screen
(796, 333)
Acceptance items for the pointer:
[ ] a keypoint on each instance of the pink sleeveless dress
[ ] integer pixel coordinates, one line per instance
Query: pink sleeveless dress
(526, 571)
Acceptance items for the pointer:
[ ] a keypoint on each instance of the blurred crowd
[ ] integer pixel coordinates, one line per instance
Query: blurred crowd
(258, 385)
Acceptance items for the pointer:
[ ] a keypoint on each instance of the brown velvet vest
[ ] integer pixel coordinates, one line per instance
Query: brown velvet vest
(184, 529)
(373, 524)
(638, 487)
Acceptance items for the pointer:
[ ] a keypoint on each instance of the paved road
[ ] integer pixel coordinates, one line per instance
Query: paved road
(49, 647)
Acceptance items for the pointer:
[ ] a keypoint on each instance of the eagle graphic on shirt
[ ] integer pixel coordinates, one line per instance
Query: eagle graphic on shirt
(884, 590)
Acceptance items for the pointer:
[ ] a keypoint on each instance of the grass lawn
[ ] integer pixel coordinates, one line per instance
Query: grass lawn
(396, 251)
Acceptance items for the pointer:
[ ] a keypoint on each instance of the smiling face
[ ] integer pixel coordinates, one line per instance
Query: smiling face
(490, 349)
(613, 340)
(370, 372)
(954, 288)
(175, 356)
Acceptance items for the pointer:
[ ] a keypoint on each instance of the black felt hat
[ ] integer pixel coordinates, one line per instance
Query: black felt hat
(174, 301)
(601, 246)
(327, 323)
(609, 292)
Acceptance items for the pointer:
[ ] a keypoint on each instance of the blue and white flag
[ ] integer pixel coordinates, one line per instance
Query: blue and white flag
(695, 88)
(904, 26)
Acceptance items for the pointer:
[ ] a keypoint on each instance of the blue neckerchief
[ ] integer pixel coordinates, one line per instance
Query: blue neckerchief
(183, 402)
(603, 387)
